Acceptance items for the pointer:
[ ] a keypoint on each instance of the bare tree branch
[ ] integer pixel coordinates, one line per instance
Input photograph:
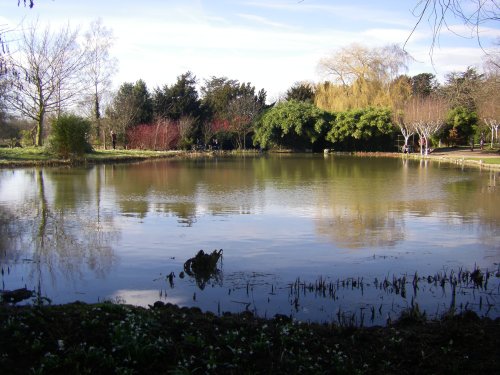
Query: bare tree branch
(474, 14)
(45, 74)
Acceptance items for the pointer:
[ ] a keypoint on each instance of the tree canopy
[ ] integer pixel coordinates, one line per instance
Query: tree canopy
(353, 128)
(131, 106)
(291, 124)
(179, 100)
(219, 92)
(301, 91)
(360, 76)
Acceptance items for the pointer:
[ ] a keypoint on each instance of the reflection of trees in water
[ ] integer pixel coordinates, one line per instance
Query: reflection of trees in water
(476, 197)
(353, 218)
(16, 222)
(11, 236)
(64, 232)
(73, 240)
(478, 200)
(344, 211)
(181, 187)
(357, 227)
(184, 211)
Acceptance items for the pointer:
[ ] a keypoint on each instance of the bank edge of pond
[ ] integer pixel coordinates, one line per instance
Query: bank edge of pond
(477, 160)
(43, 159)
(110, 338)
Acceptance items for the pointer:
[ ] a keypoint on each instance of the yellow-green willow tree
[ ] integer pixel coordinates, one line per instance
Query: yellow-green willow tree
(359, 76)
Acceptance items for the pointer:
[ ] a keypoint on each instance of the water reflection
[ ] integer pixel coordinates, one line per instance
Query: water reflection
(89, 233)
(56, 228)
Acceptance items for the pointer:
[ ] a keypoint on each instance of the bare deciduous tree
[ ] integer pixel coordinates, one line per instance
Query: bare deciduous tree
(492, 59)
(488, 104)
(186, 127)
(45, 75)
(98, 71)
(424, 116)
(401, 118)
(242, 112)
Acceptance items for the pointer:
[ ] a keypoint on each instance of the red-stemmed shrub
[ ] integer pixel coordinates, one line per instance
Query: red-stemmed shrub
(161, 135)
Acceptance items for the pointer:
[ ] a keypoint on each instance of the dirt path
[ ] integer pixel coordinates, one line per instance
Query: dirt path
(464, 153)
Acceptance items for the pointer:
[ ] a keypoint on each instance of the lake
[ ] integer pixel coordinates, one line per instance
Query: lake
(318, 237)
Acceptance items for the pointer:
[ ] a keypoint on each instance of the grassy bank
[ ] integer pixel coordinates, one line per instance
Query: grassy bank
(28, 156)
(458, 155)
(489, 158)
(118, 339)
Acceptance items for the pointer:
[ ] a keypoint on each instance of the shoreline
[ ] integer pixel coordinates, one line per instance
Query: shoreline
(476, 158)
(463, 157)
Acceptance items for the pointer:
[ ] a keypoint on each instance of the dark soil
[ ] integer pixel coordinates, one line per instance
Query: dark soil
(119, 339)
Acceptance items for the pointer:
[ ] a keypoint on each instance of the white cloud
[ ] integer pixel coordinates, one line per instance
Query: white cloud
(350, 12)
(263, 21)
(387, 36)
(445, 60)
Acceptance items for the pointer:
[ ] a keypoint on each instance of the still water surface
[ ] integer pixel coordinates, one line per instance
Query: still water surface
(304, 235)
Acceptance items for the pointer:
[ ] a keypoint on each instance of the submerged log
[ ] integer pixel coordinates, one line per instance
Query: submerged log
(203, 266)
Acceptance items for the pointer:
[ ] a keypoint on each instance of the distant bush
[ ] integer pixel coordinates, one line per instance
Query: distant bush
(27, 138)
(14, 131)
(69, 136)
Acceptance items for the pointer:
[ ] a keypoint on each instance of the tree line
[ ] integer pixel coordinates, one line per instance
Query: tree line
(365, 101)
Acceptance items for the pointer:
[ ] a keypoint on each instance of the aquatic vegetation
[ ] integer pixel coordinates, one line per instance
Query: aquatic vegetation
(351, 301)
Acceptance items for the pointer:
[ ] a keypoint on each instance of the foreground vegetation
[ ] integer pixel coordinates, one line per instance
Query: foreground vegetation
(119, 339)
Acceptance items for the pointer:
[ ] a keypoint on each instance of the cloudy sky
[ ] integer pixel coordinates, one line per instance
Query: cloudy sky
(270, 43)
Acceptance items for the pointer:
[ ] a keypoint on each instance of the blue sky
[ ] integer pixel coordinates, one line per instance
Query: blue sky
(270, 43)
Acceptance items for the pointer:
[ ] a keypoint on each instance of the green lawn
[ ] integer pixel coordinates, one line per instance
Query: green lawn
(18, 155)
(125, 154)
(486, 160)
(25, 153)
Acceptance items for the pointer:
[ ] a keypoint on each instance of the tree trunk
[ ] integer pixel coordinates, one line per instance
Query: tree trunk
(39, 131)
(97, 116)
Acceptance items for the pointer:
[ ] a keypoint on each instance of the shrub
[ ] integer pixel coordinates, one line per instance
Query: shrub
(27, 138)
(162, 135)
(69, 136)
(460, 126)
